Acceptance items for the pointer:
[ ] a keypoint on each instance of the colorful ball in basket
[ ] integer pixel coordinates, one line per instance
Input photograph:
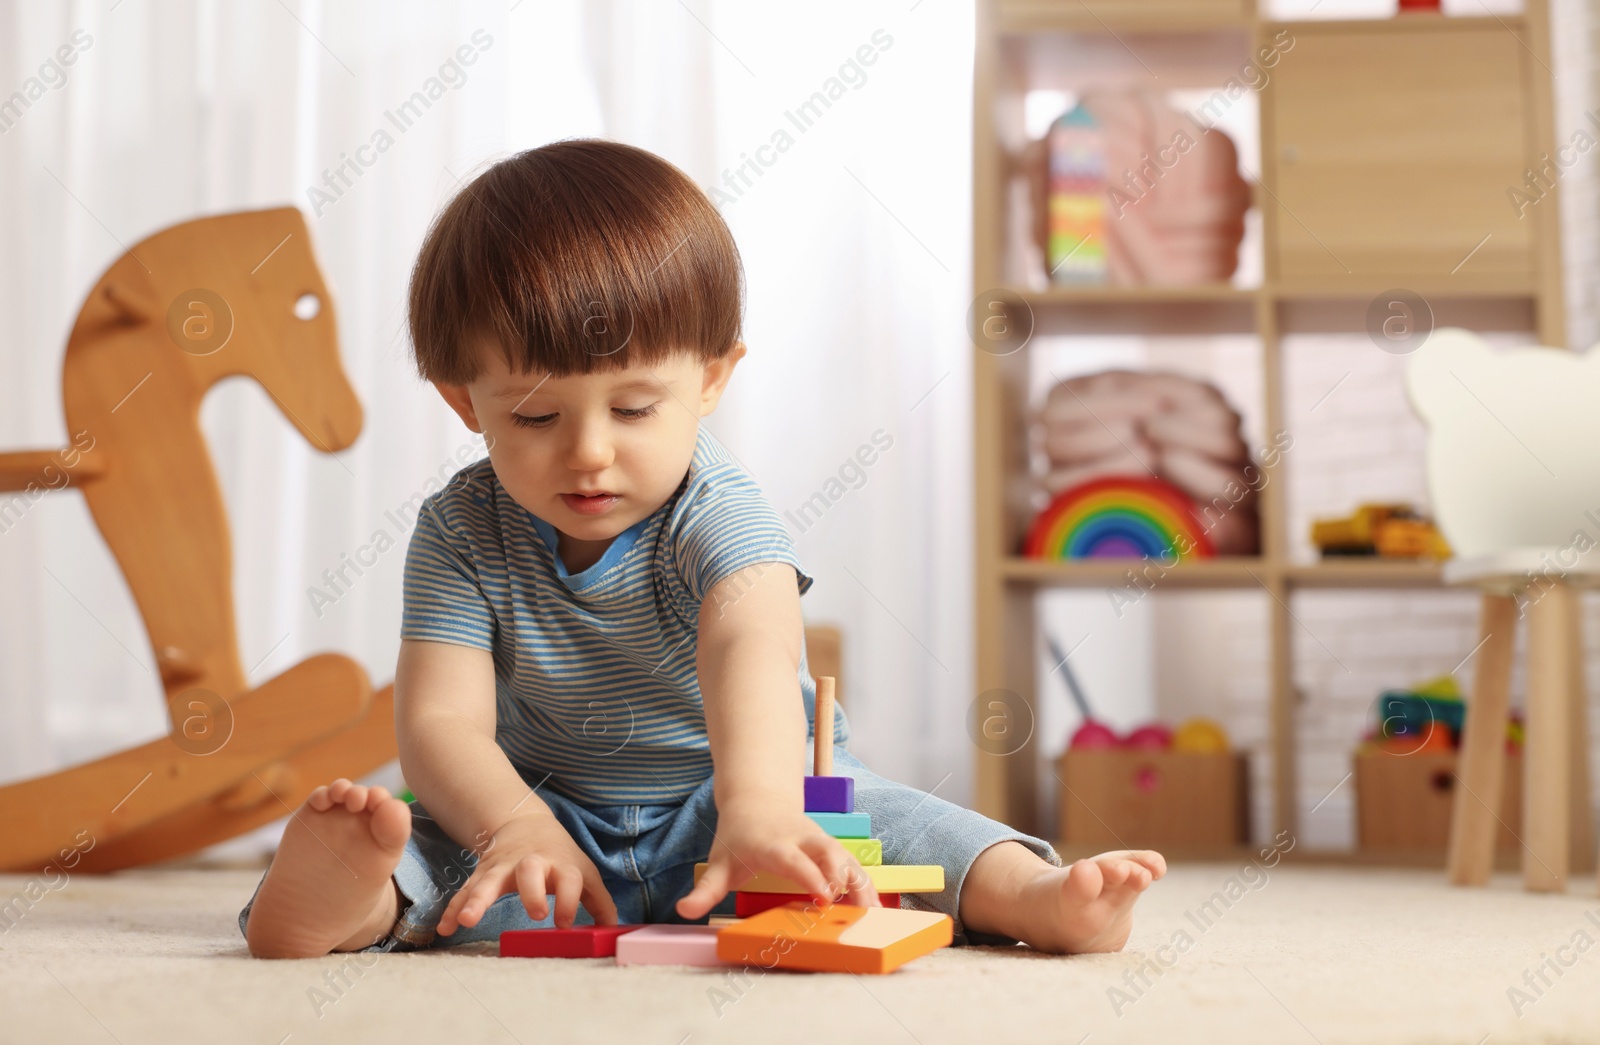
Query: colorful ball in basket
(1152, 736)
(1119, 517)
(1093, 736)
(1200, 736)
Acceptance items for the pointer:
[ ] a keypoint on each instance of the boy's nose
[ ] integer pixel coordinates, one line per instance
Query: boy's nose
(591, 449)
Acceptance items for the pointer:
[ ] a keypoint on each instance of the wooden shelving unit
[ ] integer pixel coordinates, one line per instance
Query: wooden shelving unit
(1394, 139)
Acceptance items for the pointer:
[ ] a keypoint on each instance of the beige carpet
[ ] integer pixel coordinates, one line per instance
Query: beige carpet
(1310, 954)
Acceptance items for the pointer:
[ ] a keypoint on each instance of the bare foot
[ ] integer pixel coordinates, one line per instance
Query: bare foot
(1083, 908)
(329, 886)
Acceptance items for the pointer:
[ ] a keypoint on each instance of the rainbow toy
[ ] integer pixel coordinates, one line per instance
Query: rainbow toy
(1119, 517)
(1076, 206)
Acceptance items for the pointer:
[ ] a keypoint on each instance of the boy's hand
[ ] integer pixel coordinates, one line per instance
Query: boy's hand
(532, 855)
(753, 838)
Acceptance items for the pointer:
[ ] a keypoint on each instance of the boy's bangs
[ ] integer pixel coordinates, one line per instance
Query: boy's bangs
(578, 257)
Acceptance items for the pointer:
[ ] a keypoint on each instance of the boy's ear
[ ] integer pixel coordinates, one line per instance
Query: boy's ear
(461, 402)
(716, 378)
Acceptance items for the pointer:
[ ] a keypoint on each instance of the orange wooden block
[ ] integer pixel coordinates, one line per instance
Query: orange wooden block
(836, 938)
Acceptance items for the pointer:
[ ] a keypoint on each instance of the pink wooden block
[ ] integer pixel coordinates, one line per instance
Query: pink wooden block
(669, 945)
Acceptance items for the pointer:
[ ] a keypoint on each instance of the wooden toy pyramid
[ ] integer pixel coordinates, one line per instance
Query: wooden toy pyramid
(779, 925)
(830, 801)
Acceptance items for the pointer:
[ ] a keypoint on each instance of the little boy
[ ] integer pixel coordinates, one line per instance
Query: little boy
(602, 675)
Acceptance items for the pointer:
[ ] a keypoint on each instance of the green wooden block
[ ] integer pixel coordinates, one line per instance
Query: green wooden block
(867, 851)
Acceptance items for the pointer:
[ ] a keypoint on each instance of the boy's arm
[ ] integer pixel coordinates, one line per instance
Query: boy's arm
(748, 661)
(444, 720)
(445, 728)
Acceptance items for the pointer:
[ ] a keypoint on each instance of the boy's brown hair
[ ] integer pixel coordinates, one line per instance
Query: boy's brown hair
(579, 256)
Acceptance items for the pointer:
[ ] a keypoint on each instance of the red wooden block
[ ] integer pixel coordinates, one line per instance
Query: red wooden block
(748, 905)
(580, 941)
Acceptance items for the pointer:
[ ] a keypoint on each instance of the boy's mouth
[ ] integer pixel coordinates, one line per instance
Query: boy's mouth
(592, 504)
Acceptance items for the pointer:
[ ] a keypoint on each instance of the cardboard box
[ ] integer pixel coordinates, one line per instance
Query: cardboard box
(1116, 797)
(1403, 801)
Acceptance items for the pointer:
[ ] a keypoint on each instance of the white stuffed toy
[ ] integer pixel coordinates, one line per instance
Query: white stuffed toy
(1513, 442)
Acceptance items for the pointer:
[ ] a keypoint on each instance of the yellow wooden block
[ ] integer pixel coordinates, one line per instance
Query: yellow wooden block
(896, 878)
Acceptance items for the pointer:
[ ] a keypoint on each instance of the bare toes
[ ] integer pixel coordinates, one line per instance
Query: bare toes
(391, 823)
(1084, 881)
(1114, 872)
(319, 799)
(1152, 861)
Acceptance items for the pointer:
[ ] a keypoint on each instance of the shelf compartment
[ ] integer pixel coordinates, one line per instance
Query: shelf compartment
(1044, 74)
(1362, 184)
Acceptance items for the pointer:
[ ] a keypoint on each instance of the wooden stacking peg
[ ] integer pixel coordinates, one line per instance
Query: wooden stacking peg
(822, 751)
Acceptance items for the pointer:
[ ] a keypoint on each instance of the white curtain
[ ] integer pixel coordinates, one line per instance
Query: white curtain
(853, 220)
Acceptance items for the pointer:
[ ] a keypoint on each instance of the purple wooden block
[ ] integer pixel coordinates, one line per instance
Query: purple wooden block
(830, 794)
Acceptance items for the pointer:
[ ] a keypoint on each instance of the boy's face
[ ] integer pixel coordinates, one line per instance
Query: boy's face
(592, 454)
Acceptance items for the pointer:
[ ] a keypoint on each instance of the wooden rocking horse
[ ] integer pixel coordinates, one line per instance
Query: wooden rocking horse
(207, 299)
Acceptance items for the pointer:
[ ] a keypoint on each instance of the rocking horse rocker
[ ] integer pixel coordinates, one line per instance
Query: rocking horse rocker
(206, 299)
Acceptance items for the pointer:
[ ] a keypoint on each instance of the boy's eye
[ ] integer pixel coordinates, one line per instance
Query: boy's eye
(545, 420)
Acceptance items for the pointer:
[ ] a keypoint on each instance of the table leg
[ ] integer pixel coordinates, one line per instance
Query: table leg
(1475, 811)
(1546, 825)
(1582, 812)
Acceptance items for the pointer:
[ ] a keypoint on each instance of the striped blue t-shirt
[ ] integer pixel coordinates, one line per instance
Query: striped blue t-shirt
(596, 693)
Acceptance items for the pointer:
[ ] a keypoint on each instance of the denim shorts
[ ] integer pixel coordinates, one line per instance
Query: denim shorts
(646, 856)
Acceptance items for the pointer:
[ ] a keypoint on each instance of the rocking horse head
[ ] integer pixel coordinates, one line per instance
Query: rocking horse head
(233, 294)
(236, 294)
